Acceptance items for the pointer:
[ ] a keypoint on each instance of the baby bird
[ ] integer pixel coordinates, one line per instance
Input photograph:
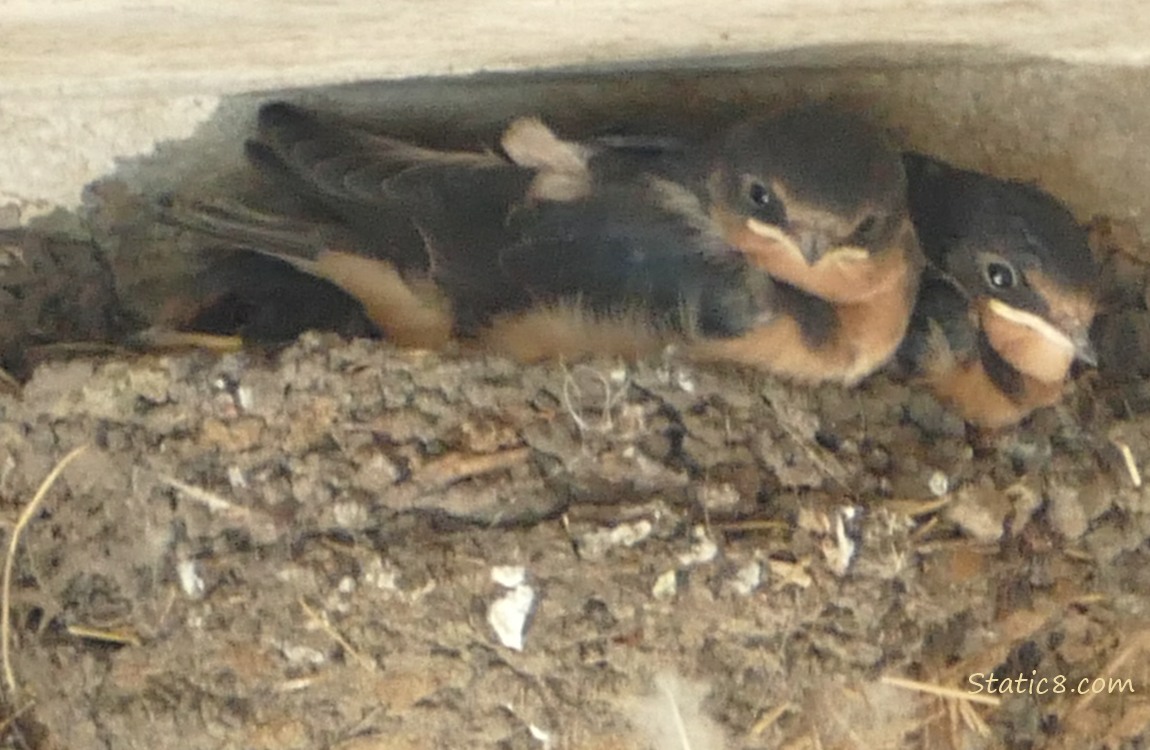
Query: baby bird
(1007, 303)
(785, 243)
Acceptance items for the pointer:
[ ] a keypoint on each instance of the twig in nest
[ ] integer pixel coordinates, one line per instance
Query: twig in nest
(11, 718)
(210, 500)
(457, 467)
(770, 718)
(160, 338)
(750, 525)
(1135, 647)
(1128, 460)
(826, 463)
(9, 561)
(321, 620)
(941, 691)
(972, 720)
(116, 637)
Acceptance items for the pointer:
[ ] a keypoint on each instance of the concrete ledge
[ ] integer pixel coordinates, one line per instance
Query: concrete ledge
(1048, 90)
(158, 47)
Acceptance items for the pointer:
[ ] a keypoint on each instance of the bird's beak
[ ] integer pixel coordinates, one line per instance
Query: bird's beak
(809, 244)
(813, 245)
(1071, 336)
(1077, 333)
(776, 236)
(1083, 348)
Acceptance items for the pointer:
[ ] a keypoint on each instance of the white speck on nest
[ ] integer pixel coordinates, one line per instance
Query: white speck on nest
(236, 477)
(685, 382)
(789, 574)
(245, 397)
(939, 484)
(665, 585)
(349, 515)
(540, 734)
(840, 551)
(381, 576)
(509, 575)
(595, 544)
(508, 614)
(190, 581)
(302, 654)
(702, 550)
(748, 578)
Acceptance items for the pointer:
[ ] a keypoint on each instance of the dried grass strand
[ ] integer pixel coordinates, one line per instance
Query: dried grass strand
(9, 562)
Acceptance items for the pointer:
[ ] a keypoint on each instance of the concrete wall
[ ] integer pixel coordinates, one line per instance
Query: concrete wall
(1046, 90)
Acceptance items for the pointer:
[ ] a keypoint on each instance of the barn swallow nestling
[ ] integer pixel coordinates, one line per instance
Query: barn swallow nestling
(817, 199)
(521, 257)
(1007, 305)
(783, 244)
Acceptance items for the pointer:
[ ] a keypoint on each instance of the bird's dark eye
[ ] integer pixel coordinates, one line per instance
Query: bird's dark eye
(867, 230)
(1000, 275)
(760, 195)
(765, 204)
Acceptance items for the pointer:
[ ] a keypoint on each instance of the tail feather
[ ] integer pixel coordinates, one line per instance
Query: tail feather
(296, 242)
(340, 161)
(241, 298)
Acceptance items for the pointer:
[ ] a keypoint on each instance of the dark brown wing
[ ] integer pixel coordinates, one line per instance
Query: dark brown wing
(624, 250)
(488, 242)
(942, 333)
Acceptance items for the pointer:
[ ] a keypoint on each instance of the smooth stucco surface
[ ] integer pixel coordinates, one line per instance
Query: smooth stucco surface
(1048, 90)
